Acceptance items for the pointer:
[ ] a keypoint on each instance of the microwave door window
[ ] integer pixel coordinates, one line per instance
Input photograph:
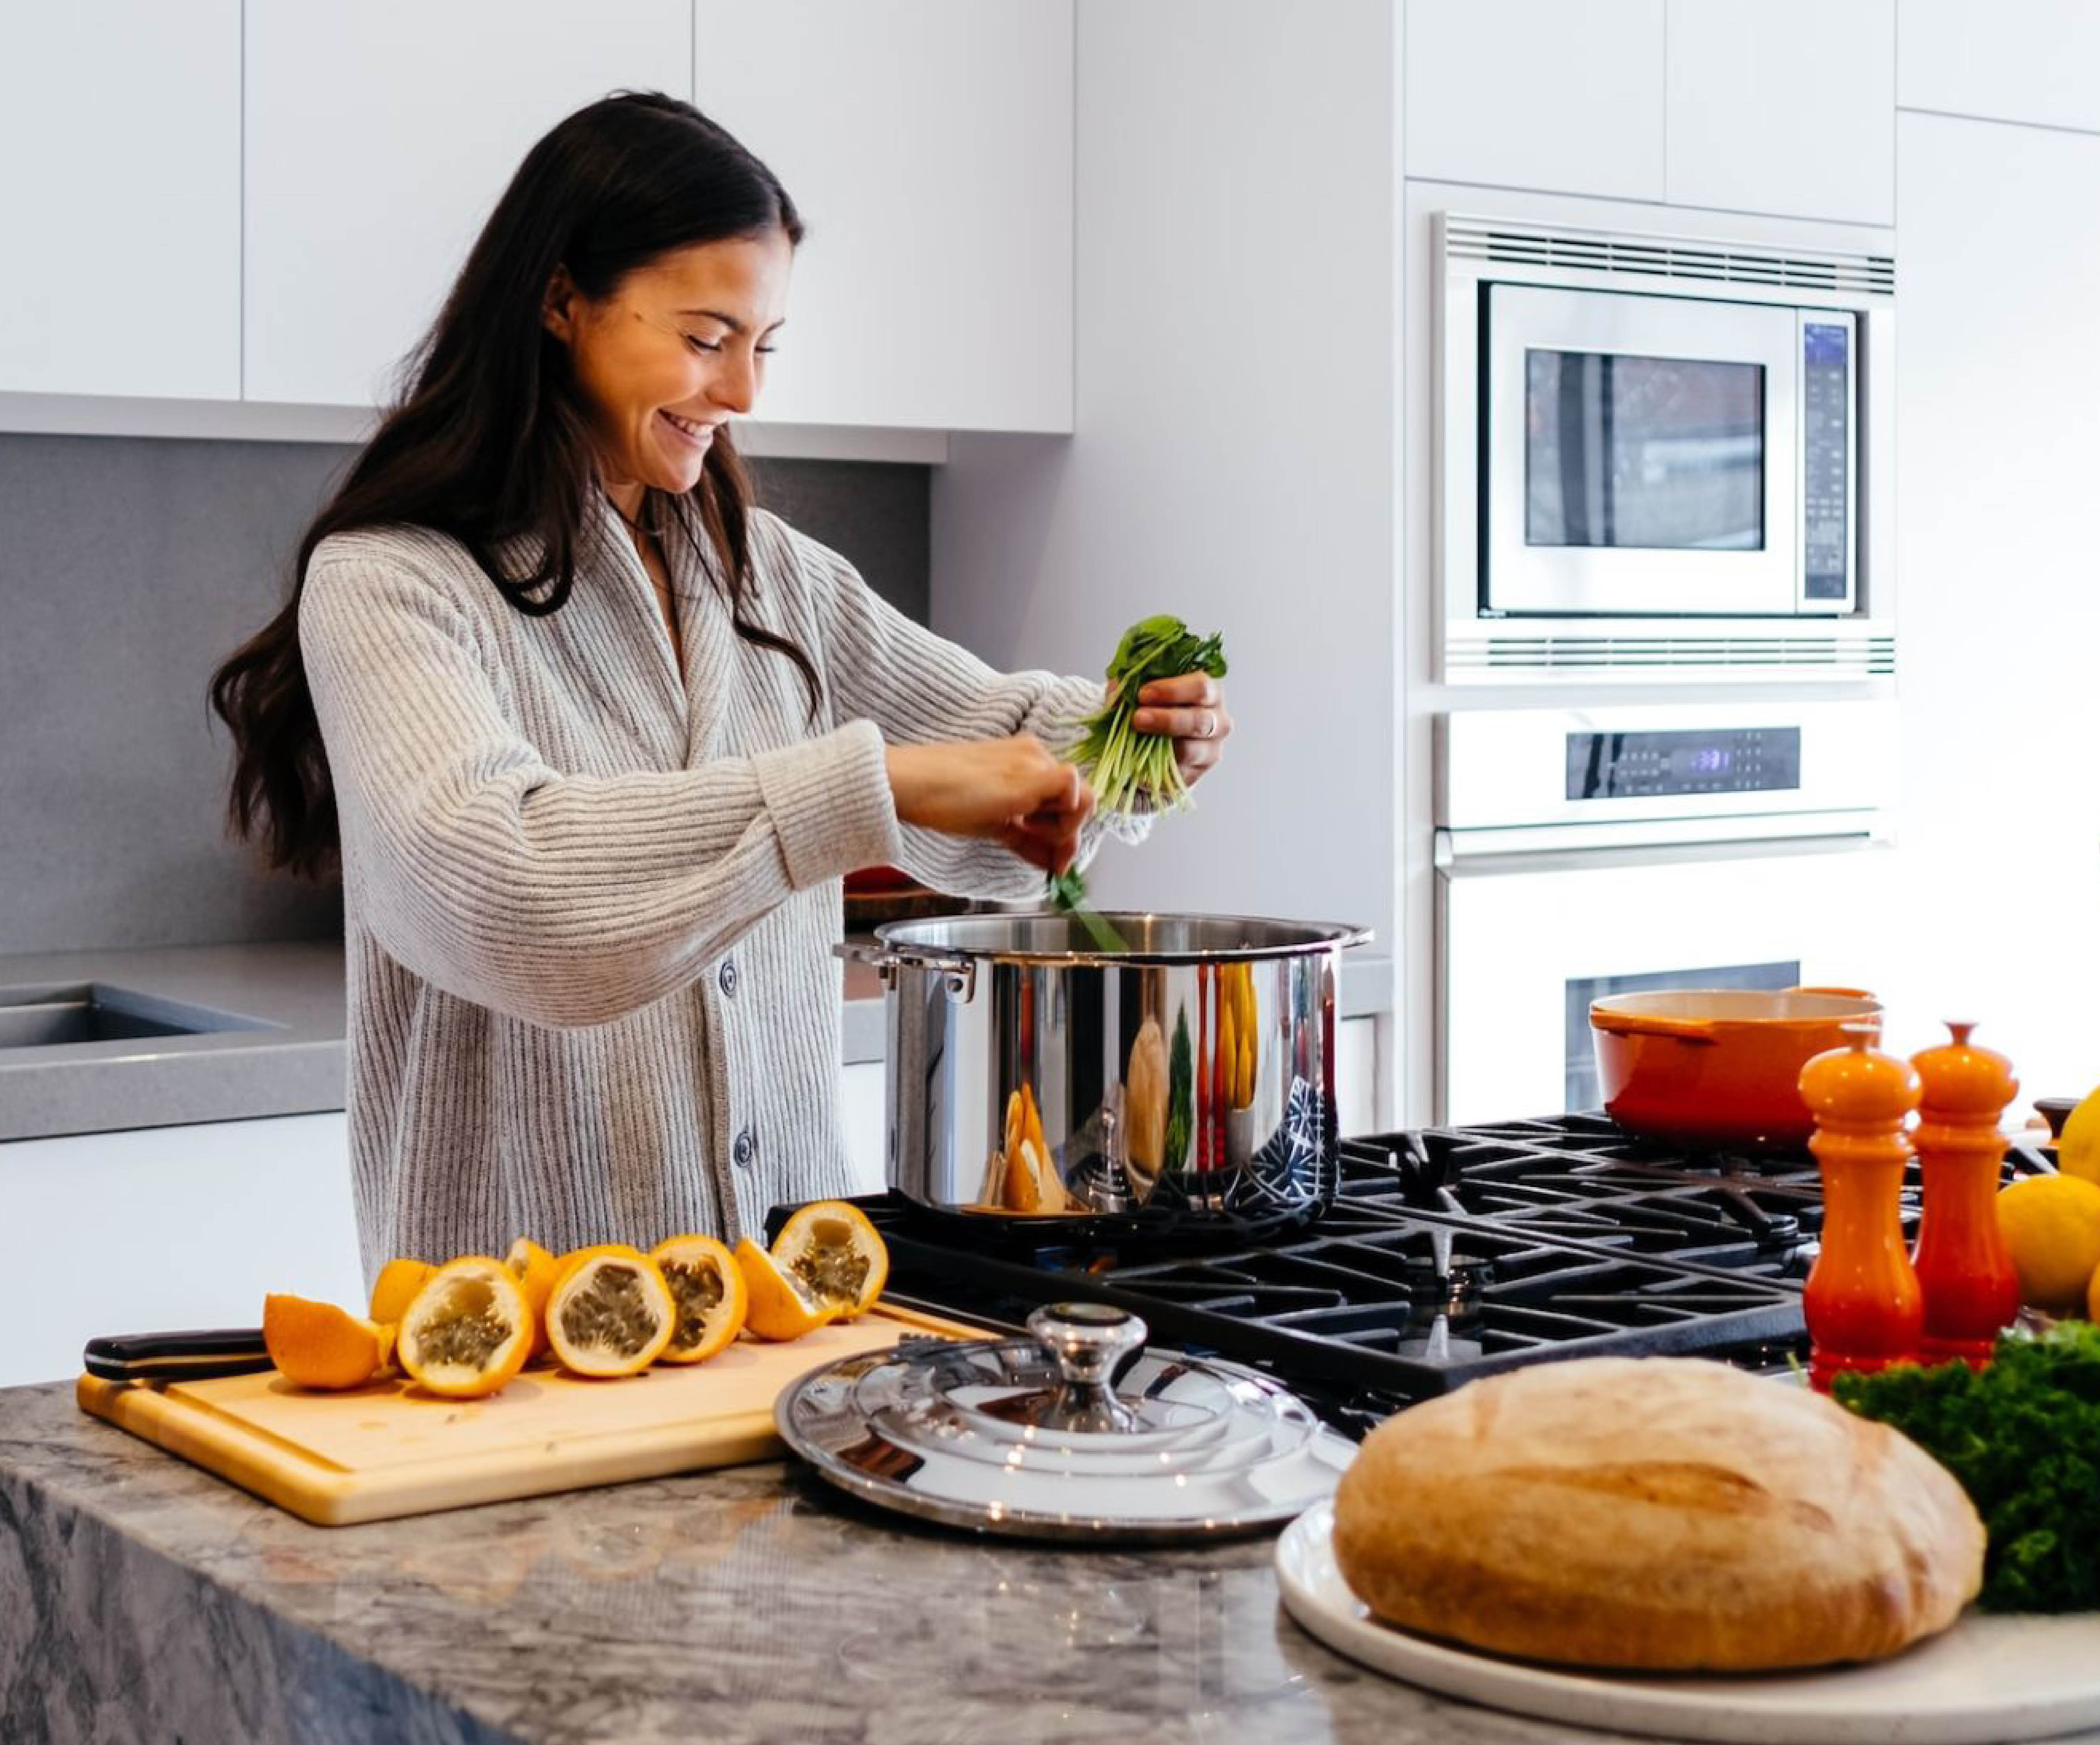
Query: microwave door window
(1627, 451)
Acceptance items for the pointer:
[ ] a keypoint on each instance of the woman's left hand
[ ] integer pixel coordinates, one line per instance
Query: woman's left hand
(1192, 708)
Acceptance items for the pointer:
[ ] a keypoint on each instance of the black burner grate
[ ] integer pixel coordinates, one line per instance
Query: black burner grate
(1449, 1254)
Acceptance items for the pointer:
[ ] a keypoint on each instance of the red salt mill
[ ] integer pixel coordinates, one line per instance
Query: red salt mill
(1862, 1305)
(1971, 1291)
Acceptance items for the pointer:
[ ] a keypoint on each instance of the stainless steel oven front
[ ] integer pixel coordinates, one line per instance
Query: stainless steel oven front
(1589, 851)
(1661, 459)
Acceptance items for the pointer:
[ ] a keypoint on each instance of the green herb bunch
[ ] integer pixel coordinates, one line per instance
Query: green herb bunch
(1131, 772)
(2023, 1438)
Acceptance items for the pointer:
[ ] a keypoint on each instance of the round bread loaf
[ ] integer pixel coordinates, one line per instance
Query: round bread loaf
(1655, 1512)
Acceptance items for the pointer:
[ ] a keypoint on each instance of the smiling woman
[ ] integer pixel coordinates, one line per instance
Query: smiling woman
(593, 738)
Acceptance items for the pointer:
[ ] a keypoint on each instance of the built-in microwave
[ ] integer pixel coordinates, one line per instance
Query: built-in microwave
(1662, 456)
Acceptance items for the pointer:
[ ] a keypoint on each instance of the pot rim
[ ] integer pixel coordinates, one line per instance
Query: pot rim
(903, 943)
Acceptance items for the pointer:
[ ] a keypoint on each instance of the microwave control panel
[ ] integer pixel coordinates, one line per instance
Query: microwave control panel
(1826, 460)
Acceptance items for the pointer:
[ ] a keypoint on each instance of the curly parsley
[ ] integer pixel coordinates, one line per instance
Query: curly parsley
(2023, 1438)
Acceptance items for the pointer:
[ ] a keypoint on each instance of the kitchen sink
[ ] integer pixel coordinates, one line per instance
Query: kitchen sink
(55, 1017)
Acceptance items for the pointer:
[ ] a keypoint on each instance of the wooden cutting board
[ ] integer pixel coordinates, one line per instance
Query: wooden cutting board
(390, 1449)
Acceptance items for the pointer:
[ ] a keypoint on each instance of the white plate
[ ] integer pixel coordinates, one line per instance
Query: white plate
(1987, 1679)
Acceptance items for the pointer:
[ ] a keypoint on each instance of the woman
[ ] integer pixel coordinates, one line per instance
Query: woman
(593, 739)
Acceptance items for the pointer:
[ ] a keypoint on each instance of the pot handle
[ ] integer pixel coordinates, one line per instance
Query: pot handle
(1842, 993)
(1634, 1024)
(958, 972)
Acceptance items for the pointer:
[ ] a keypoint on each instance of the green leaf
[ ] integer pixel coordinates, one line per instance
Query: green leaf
(2023, 1437)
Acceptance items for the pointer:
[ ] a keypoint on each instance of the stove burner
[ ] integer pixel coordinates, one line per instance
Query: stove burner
(1449, 1254)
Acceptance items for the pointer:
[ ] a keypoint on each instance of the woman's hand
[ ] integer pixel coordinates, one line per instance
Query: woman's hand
(1192, 708)
(1011, 791)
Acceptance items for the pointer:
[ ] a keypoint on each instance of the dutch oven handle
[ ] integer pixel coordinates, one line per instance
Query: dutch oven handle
(1842, 993)
(1635, 1024)
(959, 973)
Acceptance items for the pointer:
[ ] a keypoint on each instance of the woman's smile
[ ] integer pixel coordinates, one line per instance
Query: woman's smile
(687, 433)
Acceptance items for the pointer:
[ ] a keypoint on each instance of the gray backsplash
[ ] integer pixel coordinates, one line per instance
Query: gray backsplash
(128, 567)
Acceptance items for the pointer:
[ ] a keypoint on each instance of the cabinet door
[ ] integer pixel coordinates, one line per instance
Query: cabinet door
(119, 130)
(1561, 94)
(2034, 60)
(380, 136)
(1356, 1075)
(863, 1113)
(168, 1227)
(927, 144)
(1785, 106)
(1998, 394)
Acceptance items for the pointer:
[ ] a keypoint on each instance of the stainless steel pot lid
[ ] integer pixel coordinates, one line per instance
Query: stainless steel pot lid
(1041, 1438)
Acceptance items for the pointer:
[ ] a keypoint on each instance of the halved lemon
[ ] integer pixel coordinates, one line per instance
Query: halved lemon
(395, 1288)
(708, 1288)
(610, 1312)
(534, 1268)
(468, 1330)
(780, 1305)
(319, 1345)
(833, 1249)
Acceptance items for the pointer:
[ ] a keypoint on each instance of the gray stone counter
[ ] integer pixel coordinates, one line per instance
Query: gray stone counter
(141, 1599)
(287, 1060)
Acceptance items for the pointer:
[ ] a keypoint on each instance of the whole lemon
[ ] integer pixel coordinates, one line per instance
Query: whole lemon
(2078, 1145)
(2052, 1226)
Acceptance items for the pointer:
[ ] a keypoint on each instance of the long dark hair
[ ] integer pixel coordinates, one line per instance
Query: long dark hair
(491, 439)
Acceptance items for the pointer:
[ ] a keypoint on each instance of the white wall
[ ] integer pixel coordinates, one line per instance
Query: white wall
(1234, 460)
(1999, 427)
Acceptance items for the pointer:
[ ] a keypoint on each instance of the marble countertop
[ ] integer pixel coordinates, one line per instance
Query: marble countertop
(141, 1598)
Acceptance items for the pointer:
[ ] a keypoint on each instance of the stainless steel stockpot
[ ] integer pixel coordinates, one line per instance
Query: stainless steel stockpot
(1190, 1078)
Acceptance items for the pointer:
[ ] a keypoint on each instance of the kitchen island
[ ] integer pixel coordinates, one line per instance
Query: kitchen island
(142, 1599)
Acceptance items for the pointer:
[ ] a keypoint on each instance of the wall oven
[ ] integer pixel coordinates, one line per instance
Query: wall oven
(1661, 458)
(1583, 852)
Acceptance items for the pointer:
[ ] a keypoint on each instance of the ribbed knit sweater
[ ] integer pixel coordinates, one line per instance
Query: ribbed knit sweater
(590, 900)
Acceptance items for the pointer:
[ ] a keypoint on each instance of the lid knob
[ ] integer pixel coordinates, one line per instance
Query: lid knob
(1088, 1342)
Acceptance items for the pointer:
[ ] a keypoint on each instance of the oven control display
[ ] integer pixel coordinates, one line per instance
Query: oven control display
(1642, 766)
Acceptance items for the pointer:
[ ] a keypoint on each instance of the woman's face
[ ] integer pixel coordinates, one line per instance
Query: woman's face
(677, 348)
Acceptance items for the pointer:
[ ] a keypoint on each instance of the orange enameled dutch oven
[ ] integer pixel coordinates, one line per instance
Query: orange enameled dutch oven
(1719, 1069)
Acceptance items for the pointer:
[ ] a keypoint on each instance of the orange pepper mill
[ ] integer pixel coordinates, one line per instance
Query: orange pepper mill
(1971, 1291)
(1862, 1303)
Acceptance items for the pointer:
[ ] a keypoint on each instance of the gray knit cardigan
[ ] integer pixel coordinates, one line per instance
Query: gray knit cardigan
(590, 900)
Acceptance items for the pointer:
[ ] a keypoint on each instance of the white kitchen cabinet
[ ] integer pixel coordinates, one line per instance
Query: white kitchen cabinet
(120, 202)
(1561, 94)
(927, 144)
(166, 1227)
(2015, 61)
(1783, 106)
(863, 1113)
(1356, 1075)
(1998, 399)
(379, 137)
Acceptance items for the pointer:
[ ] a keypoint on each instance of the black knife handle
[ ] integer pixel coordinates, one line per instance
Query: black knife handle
(188, 1356)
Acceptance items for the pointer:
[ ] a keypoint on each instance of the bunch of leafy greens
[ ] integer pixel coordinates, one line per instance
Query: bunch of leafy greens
(2023, 1438)
(1133, 772)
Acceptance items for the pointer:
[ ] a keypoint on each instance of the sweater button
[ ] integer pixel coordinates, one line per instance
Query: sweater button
(727, 978)
(745, 1149)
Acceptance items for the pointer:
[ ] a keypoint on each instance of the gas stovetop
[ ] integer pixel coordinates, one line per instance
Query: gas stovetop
(1449, 1254)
